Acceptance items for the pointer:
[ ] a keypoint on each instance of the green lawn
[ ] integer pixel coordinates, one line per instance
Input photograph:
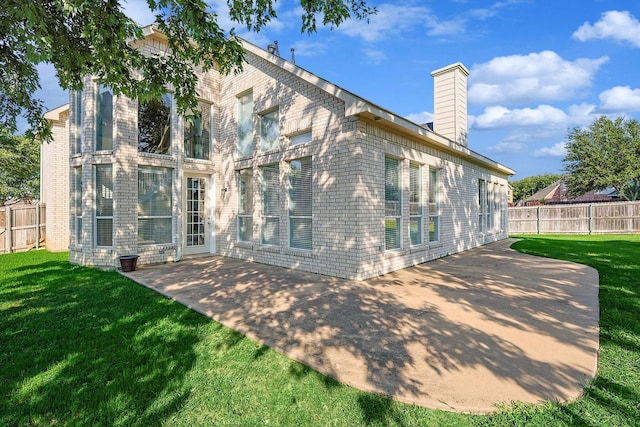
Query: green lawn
(81, 346)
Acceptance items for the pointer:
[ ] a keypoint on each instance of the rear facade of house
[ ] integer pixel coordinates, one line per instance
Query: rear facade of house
(282, 168)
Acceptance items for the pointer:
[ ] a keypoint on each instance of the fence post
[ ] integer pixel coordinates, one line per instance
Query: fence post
(538, 219)
(38, 225)
(590, 218)
(8, 227)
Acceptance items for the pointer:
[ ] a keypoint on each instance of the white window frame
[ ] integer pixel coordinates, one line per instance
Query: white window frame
(393, 208)
(96, 116)
(245, 126)
(416, 208)
(273, 216)
(482, 205)
(77, 205)
(245, 205)
(77, 122)
(152, 217)
(96, 217)
(165, 98)
(267, 143)
(434, 204)
(296, 215)
(207, 126)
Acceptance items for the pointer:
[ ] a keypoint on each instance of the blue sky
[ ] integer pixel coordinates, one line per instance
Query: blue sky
(537, 68)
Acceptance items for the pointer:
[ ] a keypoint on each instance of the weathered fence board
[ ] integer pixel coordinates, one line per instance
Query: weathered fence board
(587, 218)
(22, 227)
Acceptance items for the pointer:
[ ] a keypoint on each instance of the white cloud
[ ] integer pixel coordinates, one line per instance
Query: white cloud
(507, 146)
(307, 47)
(374, 56)
(620, 99)
(138, 10)
(614, 24)
(556, 150)
(542, 76)
(420, 118)
(500, 117)
(390, 19)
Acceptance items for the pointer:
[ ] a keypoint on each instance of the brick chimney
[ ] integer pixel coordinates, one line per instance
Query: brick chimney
(450, 102)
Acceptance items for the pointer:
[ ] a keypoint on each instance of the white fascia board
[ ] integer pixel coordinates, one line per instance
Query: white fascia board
(54, 115)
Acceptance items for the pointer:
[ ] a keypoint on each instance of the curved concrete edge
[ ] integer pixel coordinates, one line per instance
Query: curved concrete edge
(465, 333)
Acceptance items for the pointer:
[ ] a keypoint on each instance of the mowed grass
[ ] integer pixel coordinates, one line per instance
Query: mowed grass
(80, 346)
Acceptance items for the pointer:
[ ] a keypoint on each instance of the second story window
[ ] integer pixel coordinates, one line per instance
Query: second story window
(270, 131)
(104, 119)
(197, 134)
(154, 125)
(245, 125)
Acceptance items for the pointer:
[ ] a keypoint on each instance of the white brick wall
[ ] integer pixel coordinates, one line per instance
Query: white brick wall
(348, 179)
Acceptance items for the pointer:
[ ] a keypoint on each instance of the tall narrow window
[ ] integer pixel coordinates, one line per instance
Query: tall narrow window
(245, 205)
(270, 230)
(77, 204)
(415, 204)
(434, 205)
(103, 224)
(197, 134)
(104, 118)
(154, 125)
(155, 205)
(77, 121)
(270, 131)
(482, 204)
(392, 204)
(504, 206)
(300, 204)
(490, 206)
(245, 125)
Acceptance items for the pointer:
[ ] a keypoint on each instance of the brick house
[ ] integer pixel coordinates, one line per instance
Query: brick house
(282, 168)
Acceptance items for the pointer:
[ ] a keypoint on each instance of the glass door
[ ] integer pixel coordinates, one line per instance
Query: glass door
(196, 223)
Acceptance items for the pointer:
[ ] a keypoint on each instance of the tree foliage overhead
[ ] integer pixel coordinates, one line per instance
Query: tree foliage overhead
(526, 187)
(607, 154)
(19, 168)
(93, 37)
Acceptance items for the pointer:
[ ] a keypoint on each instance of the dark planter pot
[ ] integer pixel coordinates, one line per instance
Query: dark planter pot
(128, 262)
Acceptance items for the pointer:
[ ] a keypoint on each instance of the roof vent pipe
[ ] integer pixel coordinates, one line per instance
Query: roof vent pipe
(273, 48)
(293, 56)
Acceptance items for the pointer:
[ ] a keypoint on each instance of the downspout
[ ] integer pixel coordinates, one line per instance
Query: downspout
(178, 182)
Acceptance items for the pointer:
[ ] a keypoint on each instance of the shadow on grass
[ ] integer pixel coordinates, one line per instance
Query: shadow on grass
(84, 345)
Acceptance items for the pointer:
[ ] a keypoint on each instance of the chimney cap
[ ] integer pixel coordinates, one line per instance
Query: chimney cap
(451, 67)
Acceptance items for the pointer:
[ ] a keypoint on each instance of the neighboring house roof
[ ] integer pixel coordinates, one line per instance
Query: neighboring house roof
(557, 193)
(553, 192)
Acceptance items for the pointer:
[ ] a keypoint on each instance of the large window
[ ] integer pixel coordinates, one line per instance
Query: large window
(77, 204)
(490, 206)
(415, 203)
(104, 119)
(482, 204)
(245, 205)
(154, 125)
(434, 205)
(155, 205)
(103, 224)
(392, 204)
(77, 121)
(270, 229)
(197, 134)
(300, 204)
(270, 131)
(245, 125)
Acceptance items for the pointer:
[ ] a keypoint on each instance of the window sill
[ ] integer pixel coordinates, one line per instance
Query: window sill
(303, 253)
(245, 245)
(156, 156)
(395, 253)
(417, 248)
(269, 248)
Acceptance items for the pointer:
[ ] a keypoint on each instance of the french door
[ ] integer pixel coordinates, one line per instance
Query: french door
(198, 219)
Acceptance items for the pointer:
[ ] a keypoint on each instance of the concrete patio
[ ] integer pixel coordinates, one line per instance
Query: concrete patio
(462, 333)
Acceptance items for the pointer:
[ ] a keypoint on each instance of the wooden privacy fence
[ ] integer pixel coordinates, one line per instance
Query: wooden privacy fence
(22, 227)
(587, 218)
